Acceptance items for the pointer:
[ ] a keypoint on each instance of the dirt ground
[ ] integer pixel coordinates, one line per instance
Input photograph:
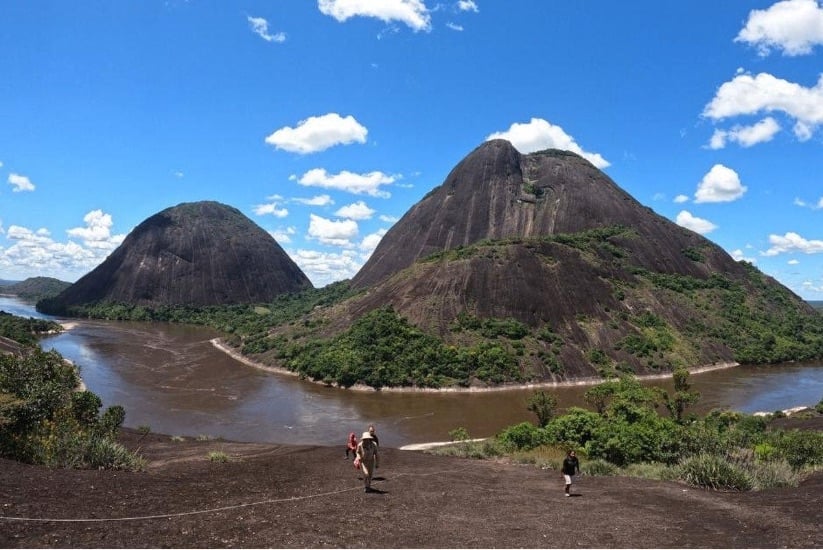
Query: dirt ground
(306, 496)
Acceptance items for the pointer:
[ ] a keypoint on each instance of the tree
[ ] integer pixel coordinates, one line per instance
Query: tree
(544, 405)
(683, 394)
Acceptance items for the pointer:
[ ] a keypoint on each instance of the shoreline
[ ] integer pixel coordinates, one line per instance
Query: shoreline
(589, 381)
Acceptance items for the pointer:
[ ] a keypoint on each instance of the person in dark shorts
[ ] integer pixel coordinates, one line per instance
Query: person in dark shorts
(571, 467)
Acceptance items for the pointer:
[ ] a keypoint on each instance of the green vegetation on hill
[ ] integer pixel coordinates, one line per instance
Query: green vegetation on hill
(36, 288)
(44, 419)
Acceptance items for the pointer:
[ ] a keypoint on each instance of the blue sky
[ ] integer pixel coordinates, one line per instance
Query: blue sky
(324, 121)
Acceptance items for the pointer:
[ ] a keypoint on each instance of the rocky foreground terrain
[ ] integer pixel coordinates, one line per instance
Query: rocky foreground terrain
(304, 496)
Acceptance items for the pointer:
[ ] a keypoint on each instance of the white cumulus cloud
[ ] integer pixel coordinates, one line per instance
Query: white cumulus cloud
(698, 225)
(317, 200)
(260, 27)
(272, 208)
(467, 5)
(36, 253)
(20, 183)
(793, 26)
(747, 95)
(356, 211)
(746, 136)
(318, 133)
(323, 268)
(792, 242)
(413, 13)
(359, 184)
(720, 184)
(97, 232)
(332, 232)
(539, 134)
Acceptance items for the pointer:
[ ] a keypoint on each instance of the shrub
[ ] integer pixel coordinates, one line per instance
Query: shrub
(459, 434)
(714, 472)
(774, 474)
(799, 448)
(598, 467)
(650, 470)
(523, 436)
(218, 456)
(650, 439)
(543, 405)
(577, 426)
(103, 453)
(819, 407)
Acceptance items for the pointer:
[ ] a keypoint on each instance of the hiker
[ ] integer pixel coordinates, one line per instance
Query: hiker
(571, 467)
(351, 445)
(374, 434)
(369, 461)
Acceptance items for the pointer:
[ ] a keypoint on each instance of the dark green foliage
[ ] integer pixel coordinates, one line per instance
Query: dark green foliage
(575, 428)
(36, 288)
(522, 437)
(798, 448)
(683, 395)
(649, 438)
(24, 330)
(544, 405)
(694, 254)
(491, 327)
(383, 349)
(48, 422)
(819, 406)
(85, 406)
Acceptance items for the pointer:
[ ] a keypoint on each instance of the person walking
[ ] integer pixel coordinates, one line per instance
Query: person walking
(369, 459)
(373, 433)
(571, 467)
(351, 445)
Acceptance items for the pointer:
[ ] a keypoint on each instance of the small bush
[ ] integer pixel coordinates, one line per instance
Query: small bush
(103, 453)
(819, 407)
(459, 434)
(799, 448)
(769, 475)
(523, 436)
(650, 470)
(598, 467)
(218, 456)
(714, 472)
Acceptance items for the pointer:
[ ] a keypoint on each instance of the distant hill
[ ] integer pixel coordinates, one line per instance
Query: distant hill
(36, 288)
(539, 267)
(816, 304)
(196, 254)
(4, 282)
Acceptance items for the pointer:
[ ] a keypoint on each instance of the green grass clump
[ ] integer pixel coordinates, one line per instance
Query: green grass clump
(714, 472)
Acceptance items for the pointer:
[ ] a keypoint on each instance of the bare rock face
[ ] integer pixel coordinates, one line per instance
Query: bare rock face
(198, 254)
(496, 193)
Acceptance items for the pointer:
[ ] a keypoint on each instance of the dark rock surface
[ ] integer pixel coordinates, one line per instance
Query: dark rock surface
(496, 193)
(200, 253)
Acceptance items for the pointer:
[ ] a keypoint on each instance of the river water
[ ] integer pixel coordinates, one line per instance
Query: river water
(172, 379)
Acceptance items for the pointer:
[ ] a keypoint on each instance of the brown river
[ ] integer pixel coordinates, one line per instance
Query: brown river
(173, 380)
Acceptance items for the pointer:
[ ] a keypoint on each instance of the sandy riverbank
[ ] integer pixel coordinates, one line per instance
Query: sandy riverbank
(219, 344)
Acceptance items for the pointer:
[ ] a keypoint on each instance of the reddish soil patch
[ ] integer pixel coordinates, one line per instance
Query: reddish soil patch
(306, 496)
